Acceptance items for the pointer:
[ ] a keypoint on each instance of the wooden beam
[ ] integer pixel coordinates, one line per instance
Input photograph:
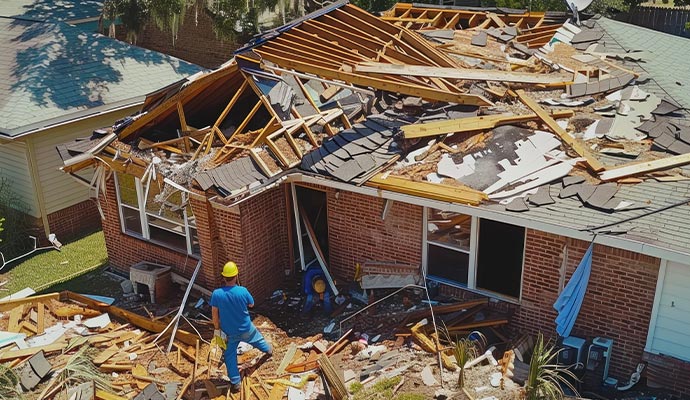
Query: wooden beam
(231, 103)
(578, 147)
(461, 73)
(645, 167)
(183, 120)
(453, 194)
(471, 124)
(383, 84)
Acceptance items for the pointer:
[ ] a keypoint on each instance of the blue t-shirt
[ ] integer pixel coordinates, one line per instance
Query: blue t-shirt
(232, 302)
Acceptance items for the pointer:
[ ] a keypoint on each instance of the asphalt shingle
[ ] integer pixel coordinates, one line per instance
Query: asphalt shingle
(52, 71)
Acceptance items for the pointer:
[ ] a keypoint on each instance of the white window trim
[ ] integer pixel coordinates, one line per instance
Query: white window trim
(472, 262)
(655, 307)
(143, 216)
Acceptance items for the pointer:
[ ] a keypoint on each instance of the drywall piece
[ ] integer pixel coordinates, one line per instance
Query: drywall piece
(479, 39)
(447, 167)
(510, 30)
(100, 321)
(629, 116)
(84, 391)
(442, 34)
(428, 377)
(542, 197)
(518, 204)
(568, 103)
(539, 178)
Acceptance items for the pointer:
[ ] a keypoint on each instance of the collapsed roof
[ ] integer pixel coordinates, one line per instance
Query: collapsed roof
(502, 109)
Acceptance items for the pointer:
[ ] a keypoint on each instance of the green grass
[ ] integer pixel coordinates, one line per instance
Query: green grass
(48, 268)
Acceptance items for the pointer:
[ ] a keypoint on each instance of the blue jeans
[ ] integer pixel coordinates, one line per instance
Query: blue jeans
(253, 337)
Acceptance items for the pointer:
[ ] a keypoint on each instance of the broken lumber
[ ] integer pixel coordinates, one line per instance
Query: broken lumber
(335, 383)
(14, 354)
(471, 124)
(578, 147)
(645, 167)
(428, 345)
(435, 191)
(461, 73)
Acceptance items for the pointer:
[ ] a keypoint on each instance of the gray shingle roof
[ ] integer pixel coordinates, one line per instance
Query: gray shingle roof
(51, 72)
(668, 63)
(51, 10)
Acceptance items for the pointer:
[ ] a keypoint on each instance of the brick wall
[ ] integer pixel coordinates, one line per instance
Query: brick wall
(619, 298)
(125, 251)
(668, 372)
(357, 233)
(196, 42)
(265, 237)
(74, 221)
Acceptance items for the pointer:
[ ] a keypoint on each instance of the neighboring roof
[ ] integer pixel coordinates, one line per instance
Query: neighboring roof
(52, 10)
(54, 72)
(667, 62)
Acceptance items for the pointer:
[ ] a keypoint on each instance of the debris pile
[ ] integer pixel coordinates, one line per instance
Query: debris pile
(70, 344)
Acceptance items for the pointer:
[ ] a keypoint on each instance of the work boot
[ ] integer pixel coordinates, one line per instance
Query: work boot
(235, 387)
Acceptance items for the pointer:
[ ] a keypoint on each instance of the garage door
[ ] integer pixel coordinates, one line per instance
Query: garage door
(671, 320)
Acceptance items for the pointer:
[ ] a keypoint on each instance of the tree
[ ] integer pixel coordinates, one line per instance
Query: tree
(232, 19)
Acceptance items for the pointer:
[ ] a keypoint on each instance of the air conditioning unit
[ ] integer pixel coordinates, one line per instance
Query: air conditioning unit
(599, 356)
(572, 352)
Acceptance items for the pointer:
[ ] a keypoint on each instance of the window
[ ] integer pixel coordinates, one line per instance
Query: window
(158, 214)
(474, 253)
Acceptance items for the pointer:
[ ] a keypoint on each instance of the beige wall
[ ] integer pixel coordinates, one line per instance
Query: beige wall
(15, 168)
(55, 190)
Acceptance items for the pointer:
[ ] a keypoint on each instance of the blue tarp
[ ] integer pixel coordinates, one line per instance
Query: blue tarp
(569, 302)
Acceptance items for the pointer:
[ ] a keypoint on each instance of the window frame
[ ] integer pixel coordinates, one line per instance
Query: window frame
(472, 262)
(187, 225)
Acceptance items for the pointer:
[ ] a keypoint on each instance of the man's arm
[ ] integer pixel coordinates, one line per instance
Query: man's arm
(250, 300)
(216, 318)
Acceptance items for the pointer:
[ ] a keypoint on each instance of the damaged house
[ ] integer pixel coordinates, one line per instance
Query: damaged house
(488, 149)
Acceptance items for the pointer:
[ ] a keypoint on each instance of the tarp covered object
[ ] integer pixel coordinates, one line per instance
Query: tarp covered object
(569, 302)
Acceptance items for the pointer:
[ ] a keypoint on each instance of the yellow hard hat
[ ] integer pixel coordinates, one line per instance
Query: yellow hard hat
(230, 269)
(319, 286)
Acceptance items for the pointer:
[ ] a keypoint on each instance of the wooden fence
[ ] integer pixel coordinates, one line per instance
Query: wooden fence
(663, 19)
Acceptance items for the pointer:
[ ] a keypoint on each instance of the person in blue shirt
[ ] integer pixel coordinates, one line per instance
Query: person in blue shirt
(230, 310)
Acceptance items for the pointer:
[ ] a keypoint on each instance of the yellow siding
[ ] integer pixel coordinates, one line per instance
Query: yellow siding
(59, 189)
(14, 166)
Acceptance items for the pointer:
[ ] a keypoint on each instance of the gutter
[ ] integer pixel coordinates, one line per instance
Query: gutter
(72, 118)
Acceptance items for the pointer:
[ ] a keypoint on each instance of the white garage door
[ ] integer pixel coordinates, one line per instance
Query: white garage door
(670, 326)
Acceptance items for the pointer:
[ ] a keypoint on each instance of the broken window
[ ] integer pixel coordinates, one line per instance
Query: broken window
(500, 257)
(159, 214)
(448, 245)
(485, 255)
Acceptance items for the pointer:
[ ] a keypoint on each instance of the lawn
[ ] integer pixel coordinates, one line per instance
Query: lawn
(48, 268)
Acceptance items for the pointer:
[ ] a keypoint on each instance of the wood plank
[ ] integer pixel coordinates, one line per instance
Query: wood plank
(40, 324)
(15, 315)
(453, 194)
(10, 304)
(277, 392)
(132, 318)
(378, 83)
(578, 147)
(645, 167)
(471, 124)
(14, 354)
(462, 73)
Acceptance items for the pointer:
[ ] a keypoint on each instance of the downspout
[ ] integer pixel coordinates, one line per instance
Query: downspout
(36, 180)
